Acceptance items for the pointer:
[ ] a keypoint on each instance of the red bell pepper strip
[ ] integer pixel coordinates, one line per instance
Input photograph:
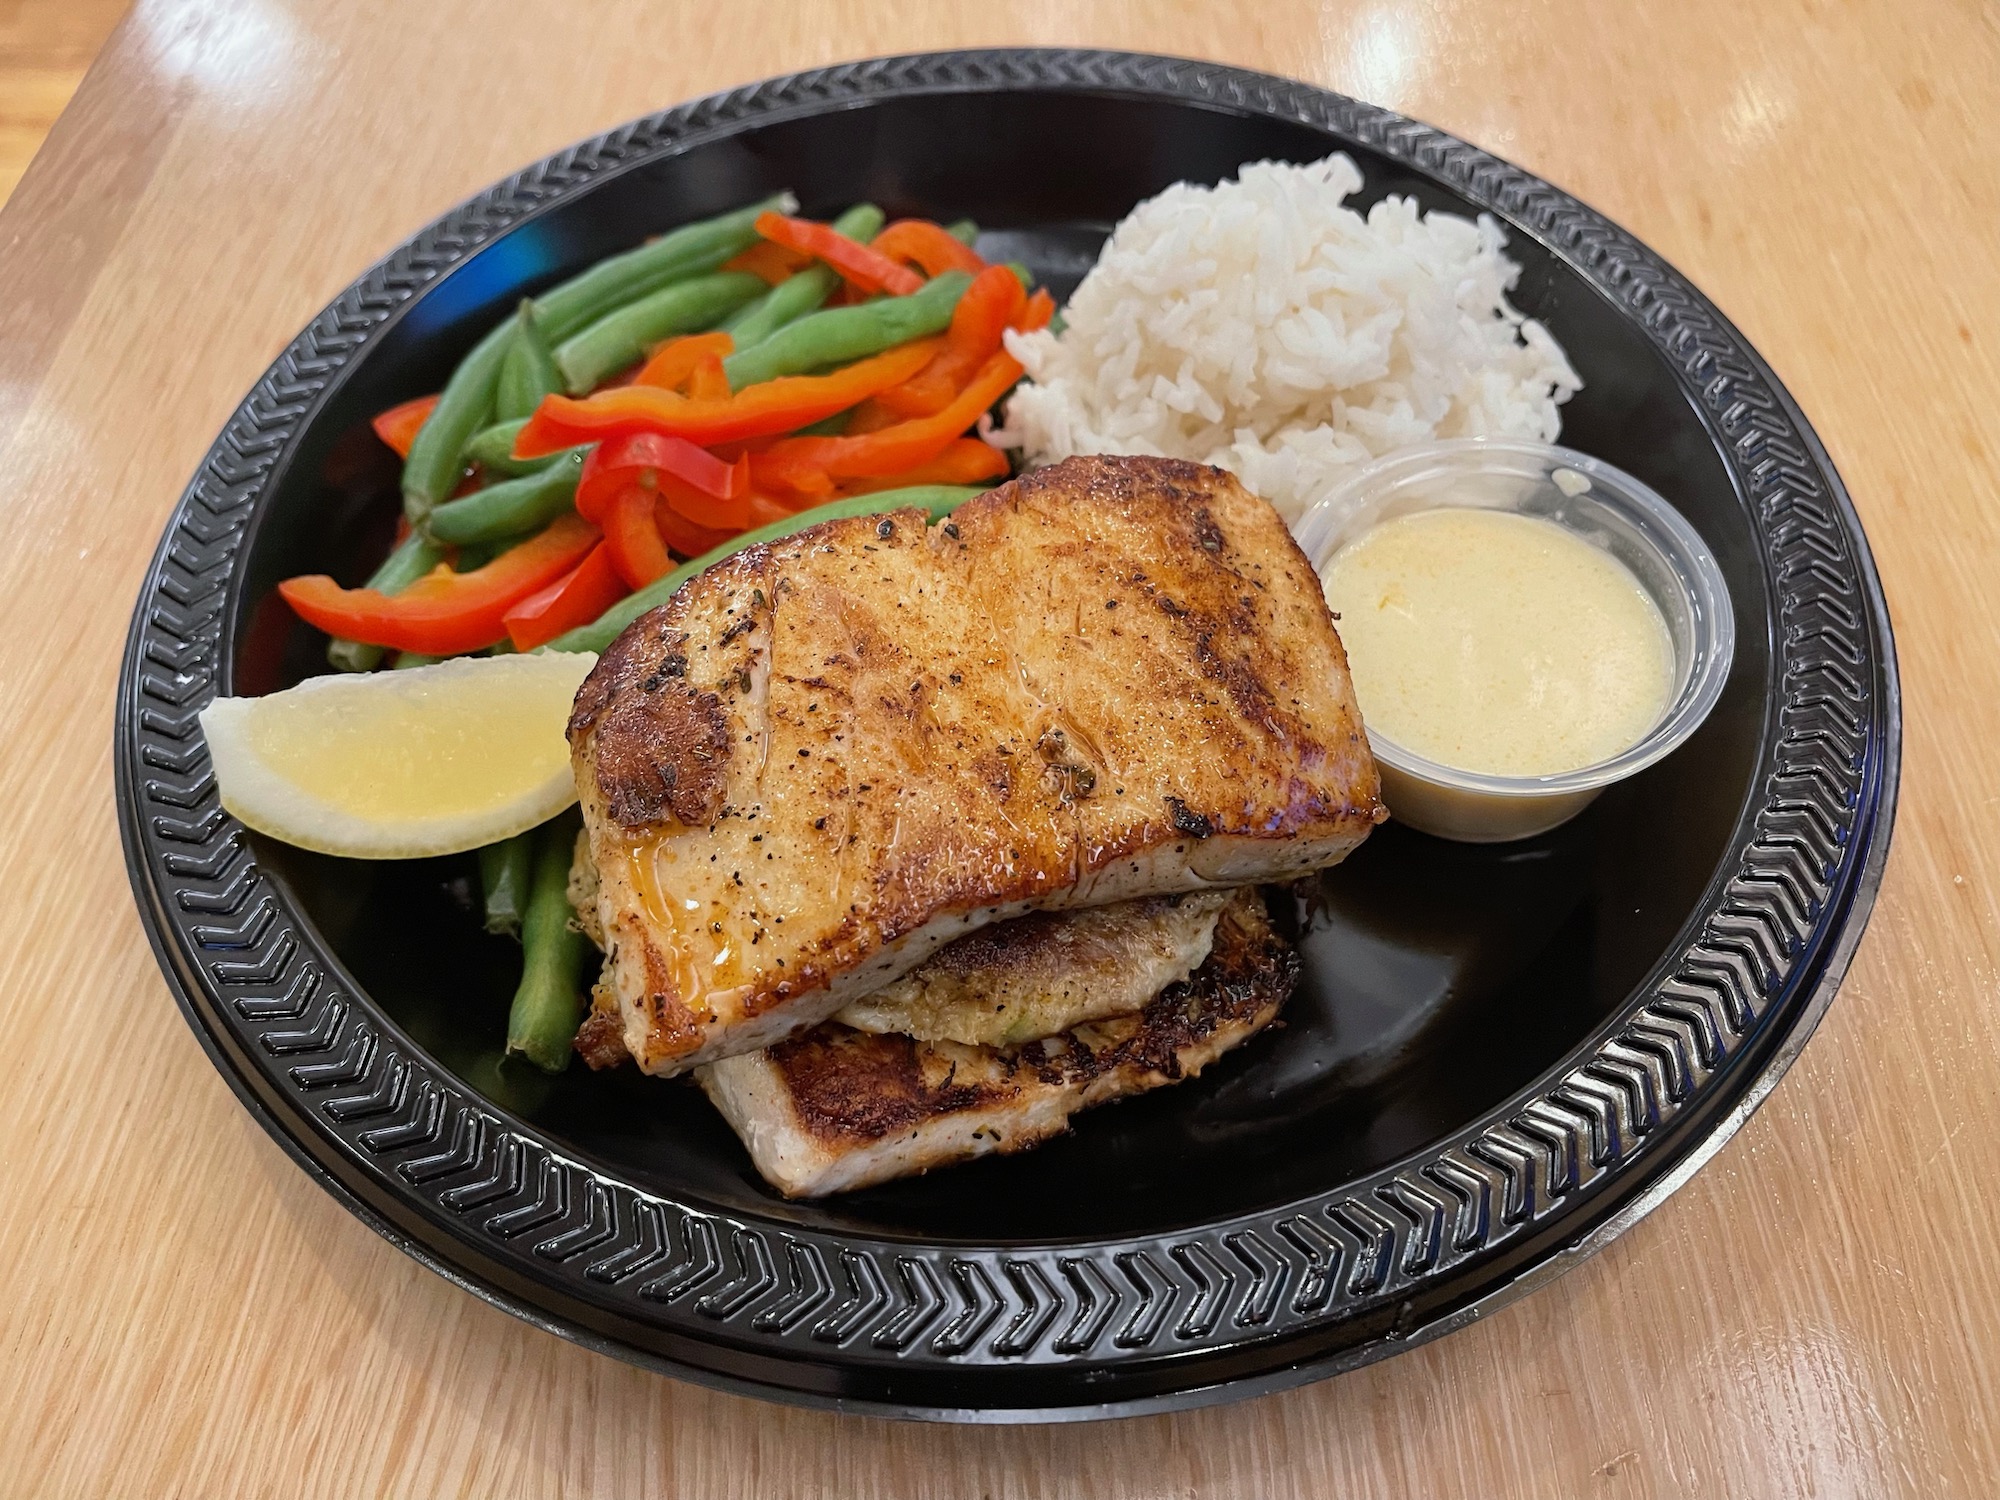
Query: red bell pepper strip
(675, 360)
(444, 613)
(577, 598)
(983, 314)
(772, 261)
(709, 382)
(762, 410)
(764, 509)
(857, 264)
(964, 461)
(794, 478)
(1036, 313)
(399, 425)
(931, 246)
(871, 416)
(729, 512)
(793, 463)
(633, 540)
(658, 462)
(689, 538)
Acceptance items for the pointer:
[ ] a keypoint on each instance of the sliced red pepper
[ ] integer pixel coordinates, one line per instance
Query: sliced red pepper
(764, 509)
(1036, 312)
(871, 416)
(675, 360)
(444, 613)
(729, 512)
(709, 382)
(770, 260)
(687, 538)
(658, 463)
(964, 461)
(931, 246)
(633, 540)
(799, 465)
(576, 598)
(794, 477)
(983, 314)
(399, 425)
(857, 264)
(762, 410)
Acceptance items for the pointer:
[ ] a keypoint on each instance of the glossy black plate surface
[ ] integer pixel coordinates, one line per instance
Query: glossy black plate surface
(1499, 1057)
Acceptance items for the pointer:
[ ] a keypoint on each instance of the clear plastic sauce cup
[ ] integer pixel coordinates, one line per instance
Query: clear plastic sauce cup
(1593, 500)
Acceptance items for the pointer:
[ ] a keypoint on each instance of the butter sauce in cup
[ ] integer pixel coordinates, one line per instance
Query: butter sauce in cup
(1525, 625)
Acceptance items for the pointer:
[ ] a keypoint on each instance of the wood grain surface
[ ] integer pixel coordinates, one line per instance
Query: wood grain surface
(184, 1313)
(45, 46)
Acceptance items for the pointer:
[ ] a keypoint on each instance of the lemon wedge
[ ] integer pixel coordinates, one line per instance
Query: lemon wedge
(401, 765)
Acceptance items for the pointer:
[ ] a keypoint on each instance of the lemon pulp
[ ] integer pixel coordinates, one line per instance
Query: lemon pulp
(393, 765)
(418, 750)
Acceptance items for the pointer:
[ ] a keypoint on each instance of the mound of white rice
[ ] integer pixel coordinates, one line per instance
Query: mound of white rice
(1260, 326)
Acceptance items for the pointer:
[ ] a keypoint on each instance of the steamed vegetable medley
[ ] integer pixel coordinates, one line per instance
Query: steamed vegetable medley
(724, 384)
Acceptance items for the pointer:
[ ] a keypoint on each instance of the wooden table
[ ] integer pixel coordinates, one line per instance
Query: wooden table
(185, 1312)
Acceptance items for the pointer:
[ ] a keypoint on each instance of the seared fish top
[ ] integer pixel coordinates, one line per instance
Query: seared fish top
(830, 755)
(1045, 972)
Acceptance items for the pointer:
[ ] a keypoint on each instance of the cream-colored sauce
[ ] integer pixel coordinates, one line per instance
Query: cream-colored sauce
(1498, 642)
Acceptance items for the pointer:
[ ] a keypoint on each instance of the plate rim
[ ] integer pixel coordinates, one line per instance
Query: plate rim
(1030, 1297)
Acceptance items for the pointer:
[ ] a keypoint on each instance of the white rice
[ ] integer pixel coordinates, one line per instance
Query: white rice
(1262, 327)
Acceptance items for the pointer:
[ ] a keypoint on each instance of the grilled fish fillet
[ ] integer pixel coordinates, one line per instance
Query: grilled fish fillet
(1044, 973)
(827, 757)
(835, 1109)
(1012, 982)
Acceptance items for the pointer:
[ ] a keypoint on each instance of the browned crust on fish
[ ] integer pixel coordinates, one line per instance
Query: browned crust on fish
(600, 1040)
(835, 1109)
(1109, 679)
(659, 744)
(854, 1086)
(1046, 972)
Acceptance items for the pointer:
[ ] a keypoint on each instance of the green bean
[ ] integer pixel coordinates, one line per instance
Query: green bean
(405, 660)
(964, 231)
(838, 335)
(506, 871)
(510, 507)
(833, 426)
(413, 557)
(508, 1082)
(617, 339)
(548, 1005)
(788, 301)
(529, 371)
(567, 309)
(466, 404)
(492, 448)
(476, 555)
(862, 222)
(798, 295)
(938, 499)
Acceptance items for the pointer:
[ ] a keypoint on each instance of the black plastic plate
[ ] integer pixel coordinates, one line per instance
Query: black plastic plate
(1500, 1056)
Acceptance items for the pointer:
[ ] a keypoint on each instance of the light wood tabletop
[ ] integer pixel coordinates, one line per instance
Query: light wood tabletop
(1817, 1313)
(45, 46)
